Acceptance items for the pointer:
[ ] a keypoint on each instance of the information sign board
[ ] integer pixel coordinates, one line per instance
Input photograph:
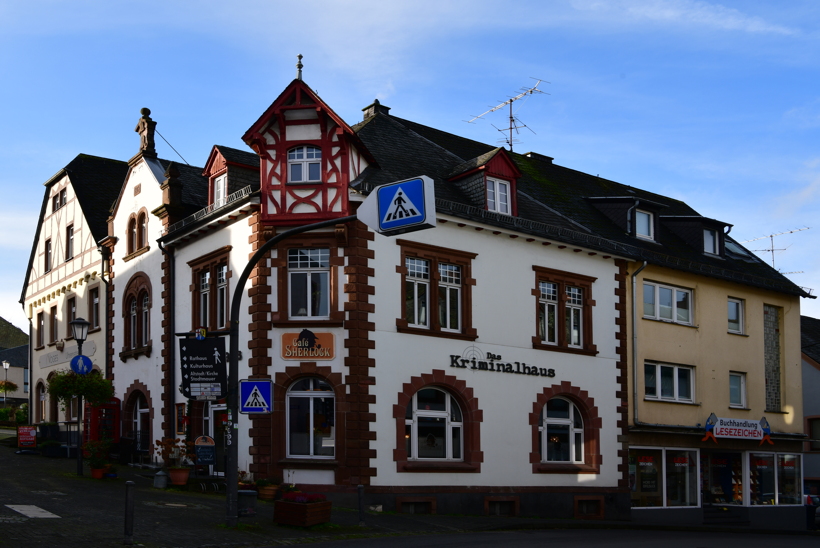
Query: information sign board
(26, 436)
(205, 450)
(203, 368)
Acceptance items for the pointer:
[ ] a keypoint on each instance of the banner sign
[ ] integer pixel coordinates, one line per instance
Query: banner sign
(739, 429)
(26, 436)
(308, 346)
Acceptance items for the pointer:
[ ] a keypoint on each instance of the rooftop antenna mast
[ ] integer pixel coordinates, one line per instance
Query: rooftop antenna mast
(771, 248)
(515, 123)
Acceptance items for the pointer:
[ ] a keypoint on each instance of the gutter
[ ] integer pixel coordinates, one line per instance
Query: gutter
(635, 344)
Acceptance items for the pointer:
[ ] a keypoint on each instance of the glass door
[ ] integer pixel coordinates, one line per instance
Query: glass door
(218, 425)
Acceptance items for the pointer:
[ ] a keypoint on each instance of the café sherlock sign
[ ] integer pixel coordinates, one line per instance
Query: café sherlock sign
(308, 345)
(479, 361)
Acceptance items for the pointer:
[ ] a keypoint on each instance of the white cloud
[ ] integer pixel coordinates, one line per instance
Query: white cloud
(805, 116)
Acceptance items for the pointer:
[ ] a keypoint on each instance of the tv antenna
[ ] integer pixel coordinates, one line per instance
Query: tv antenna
(515, 123)
(772, 249)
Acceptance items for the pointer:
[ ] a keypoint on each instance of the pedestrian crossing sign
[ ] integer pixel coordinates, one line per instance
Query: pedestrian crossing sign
(255, 396)
(403, 206)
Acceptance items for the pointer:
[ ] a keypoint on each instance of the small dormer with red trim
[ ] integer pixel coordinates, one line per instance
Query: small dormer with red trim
(490, 181)
(308, 156)
(230, 171)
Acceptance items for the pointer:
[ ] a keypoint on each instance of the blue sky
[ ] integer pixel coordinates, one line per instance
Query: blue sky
(717, 104)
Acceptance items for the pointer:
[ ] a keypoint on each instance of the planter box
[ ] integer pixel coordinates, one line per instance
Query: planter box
(301, 514)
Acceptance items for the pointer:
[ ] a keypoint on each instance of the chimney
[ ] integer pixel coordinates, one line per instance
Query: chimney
(542, 157)
(375, 108)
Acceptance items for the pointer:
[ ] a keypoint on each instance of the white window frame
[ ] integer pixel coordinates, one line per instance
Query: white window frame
(49, 257)
(715, 244)
(449, 283)
(204, 281)
(417, 283)
(312, 394)
(662, 478)
(548, 307)
(574, 315)
(305, 156)
(574, 432)
(740, 307)
(676, 397)
(146, 319)
(498, 196)
(94, 296)
(132, 328)
(450, 424)
(651, 219)
(69, 242)
(222, 296)
(220, 190)
(314, 264)
(742, 378)
(656, 288)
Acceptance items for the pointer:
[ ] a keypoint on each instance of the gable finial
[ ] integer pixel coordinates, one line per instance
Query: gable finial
(299, 66)
(146, 127)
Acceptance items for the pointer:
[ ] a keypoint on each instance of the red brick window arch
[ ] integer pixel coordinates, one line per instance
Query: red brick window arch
(136, 315)
(437, 425)
(565, 432)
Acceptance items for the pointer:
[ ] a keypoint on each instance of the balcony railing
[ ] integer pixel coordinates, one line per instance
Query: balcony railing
(216, 206)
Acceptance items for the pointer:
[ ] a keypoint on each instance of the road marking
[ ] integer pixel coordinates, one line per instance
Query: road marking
(31, 511)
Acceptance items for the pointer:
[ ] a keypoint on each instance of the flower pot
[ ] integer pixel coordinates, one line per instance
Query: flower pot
(97, 473)
(179, 476)
(268, 492)
(301, 514)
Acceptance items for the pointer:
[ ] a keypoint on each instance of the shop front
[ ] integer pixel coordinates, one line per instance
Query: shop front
(689, 478)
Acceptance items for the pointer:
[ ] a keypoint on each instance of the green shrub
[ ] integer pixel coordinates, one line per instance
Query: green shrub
(4, 413)
(22, 414)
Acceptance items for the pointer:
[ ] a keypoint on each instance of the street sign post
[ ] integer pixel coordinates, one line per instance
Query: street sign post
(255, 397)
(400, 207)
(81, 364)
(203, 368)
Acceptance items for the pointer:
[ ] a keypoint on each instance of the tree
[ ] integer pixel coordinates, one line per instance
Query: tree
(7, 387)
(65, 385)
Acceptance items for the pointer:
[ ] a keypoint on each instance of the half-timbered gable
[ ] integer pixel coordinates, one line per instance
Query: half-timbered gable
(308, 156)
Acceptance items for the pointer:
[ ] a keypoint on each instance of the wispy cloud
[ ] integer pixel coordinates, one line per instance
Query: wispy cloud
(682, 12)
(805, 116)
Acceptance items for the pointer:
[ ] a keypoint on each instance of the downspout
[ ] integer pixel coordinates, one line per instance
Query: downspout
(170, 429)
(105, 253)
(635, 344)
(629, 221)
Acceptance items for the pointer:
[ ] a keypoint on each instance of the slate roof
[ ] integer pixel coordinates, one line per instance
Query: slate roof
(96, 182)
(553, 201)
(810, 337)
(236, 156)
(194, 185)
(17, 356)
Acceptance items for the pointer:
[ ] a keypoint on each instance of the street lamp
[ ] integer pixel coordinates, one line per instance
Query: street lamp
(79, 328)
(6, 366)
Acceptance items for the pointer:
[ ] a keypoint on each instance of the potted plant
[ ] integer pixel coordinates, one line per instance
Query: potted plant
(96, 454)
(301, 509)
(175, 454)
(266, 488)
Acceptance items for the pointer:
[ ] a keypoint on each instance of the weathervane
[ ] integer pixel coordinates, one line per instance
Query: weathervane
(515, 123)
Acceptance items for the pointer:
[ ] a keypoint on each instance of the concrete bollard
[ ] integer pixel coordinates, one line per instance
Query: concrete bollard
(360, 489)
(129, 513)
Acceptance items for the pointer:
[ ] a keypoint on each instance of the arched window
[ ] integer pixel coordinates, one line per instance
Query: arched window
(311, 419)
(142, 230)
(561, 432)
(132, 236)
(305, 165)
(434, 426)
(145, 320)
(137, 421)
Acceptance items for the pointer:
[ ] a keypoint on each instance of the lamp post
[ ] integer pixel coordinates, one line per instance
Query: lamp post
(79, 328)
(6, 366)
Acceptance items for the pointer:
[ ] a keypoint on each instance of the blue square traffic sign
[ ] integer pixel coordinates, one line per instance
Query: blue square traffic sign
(255, 396)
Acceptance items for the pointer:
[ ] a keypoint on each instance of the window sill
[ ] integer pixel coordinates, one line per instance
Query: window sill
(670, 322)
(737, 334)
(39, 347)
(565, 468)
(52, 343)
(776, 412)
(310, 322)
(659, 400)
(136, 253)
(314, 463)
(136, 352)
(432, 333)
(438, 466)
(90, 331)
(537, 344)
(739, 408)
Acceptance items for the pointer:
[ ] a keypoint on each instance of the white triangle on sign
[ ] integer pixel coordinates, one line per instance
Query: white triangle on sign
(400, 207)
(255, 400)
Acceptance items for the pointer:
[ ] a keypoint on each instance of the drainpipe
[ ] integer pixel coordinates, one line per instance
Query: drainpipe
(635, 343)
(106, 255)
(629, 221)
(170, 430)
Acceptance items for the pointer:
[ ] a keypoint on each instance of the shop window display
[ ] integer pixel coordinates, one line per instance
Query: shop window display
(681, 478)
(722, 477)
(663, 477)
(645, 480)
(788, 479)
(761, 478)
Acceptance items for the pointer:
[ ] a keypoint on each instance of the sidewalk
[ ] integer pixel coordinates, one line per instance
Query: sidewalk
(91, 513)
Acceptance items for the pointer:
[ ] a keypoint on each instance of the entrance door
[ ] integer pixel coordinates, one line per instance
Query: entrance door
(722, 477)
(217, 419)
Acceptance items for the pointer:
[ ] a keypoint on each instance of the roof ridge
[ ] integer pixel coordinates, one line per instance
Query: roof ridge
(399, 120)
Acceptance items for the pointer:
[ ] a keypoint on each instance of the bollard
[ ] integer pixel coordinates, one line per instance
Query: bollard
(360, 489)
(129, 513)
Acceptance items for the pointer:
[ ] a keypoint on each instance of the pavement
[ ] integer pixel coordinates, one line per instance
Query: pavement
(89, 513)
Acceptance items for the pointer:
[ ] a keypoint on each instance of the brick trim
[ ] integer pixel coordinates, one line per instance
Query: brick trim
(622, 365)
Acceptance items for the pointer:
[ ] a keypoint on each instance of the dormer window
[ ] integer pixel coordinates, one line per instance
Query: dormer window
(710, 241)
(220, 190)
(498, 196)
(305, 165)
(644, 225)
